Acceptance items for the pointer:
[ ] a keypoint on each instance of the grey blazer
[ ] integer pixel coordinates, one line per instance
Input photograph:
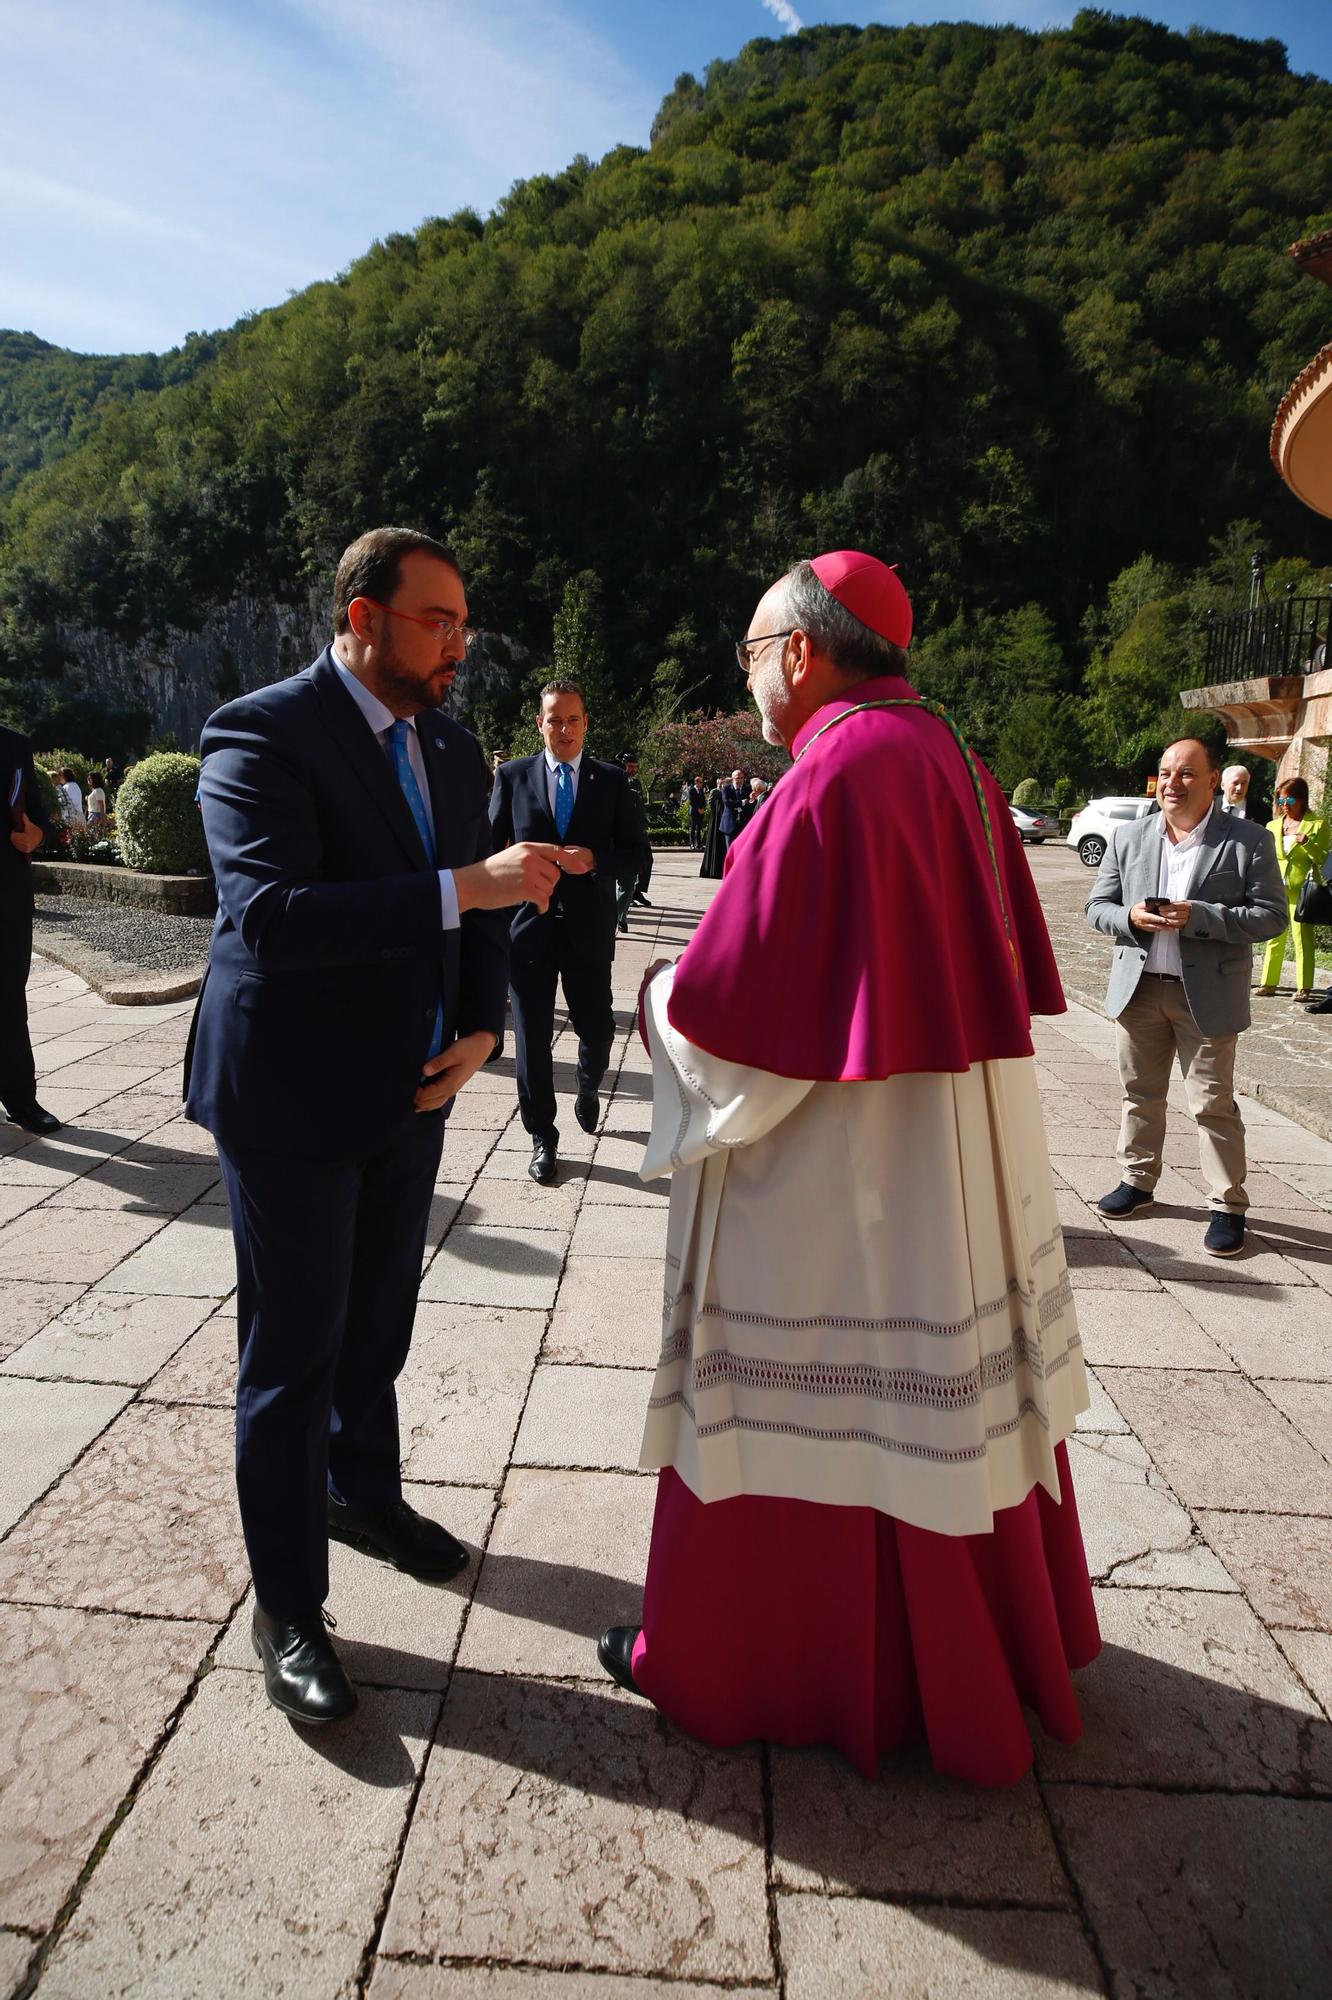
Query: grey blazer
(1236, 901)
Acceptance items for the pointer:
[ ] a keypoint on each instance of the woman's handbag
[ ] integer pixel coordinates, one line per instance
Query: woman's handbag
(1313, 905)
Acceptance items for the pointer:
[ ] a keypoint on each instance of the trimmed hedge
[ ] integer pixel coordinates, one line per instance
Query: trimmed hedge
(1028, 793)
(48, 798)
(159, 828)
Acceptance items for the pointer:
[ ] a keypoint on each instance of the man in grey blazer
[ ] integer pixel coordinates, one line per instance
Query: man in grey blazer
(1185, 894)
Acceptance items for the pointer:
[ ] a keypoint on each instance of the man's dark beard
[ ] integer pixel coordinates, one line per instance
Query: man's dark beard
(405, 689)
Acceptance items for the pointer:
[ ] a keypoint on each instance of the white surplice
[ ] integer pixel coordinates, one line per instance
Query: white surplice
(867, 1301)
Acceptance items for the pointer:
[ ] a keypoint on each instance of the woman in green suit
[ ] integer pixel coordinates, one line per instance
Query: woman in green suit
(1302, 843)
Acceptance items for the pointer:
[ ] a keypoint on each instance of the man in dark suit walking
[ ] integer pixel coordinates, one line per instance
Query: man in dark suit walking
(563, 794)
(356, 981)
(27, 829)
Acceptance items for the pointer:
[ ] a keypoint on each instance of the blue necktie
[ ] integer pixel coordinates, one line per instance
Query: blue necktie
(397, 742)
(564, 799)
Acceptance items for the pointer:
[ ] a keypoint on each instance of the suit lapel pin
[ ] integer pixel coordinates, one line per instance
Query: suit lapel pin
(439, 743)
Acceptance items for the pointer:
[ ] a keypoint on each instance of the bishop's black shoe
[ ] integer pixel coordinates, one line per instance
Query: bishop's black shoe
(303, 1676)
(541, 1166)
(397, 1534)
(33, 1118)
(615, 1650)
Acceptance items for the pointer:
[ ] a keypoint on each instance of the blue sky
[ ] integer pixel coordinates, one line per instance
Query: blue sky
(167, 165)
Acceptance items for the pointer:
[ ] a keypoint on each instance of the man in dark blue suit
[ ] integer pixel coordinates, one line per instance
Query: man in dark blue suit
(356, 981)
(564, 795)
(27, 829)
(733, 810)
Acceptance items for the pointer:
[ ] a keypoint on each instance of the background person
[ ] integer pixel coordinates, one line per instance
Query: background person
(27, 829)
(355, 982)
(633, 889)
(584, 804)
(732, 807)
(1302, 844)
(96, 805)
(696, 798)
(714, 840)
(72, 807)
(1185, 896)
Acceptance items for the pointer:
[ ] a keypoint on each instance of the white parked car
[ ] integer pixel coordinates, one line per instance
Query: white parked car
(1092, 827)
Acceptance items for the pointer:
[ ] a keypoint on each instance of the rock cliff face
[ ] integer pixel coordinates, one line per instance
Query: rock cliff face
(181, 677)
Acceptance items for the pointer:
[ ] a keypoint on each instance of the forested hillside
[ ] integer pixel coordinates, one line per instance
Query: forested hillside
(1012, 309)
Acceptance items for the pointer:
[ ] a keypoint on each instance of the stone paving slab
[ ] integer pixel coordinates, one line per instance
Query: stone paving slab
(461, 1395)
(83, 1700)
(922, 1836)
(109, 1336)
(833, 1947)
(216, 1878)
(145, 1521)
(43, 1427)
(1205, 1894)
(565, 1840)
(547, 1789)
(396, 1979)
(565, 1559)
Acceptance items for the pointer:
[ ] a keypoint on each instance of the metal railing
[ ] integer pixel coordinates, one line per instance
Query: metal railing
(1284, 635)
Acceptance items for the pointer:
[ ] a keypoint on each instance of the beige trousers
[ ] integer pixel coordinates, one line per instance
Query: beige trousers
(1153, 1029)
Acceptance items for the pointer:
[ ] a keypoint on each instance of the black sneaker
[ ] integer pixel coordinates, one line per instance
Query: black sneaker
(1225, 1234)
(1125, 1200)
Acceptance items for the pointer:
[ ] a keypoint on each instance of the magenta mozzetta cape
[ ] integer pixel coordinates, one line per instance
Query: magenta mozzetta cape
(857, 932)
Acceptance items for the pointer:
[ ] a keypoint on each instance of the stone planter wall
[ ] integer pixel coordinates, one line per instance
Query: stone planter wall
(175, 895)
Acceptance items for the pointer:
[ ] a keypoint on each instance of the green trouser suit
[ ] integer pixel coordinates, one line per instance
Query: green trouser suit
(1295, 864)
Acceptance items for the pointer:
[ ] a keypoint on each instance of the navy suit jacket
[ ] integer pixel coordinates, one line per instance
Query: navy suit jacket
(732, 815)
(328, 956)
(16, 868)
(606, 818)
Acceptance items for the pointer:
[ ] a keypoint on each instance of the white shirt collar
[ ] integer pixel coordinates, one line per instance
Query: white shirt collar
(1185, 839)
(553, 763)
(371, 707)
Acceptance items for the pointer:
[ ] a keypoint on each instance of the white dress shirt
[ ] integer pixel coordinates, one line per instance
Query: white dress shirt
(1179, 858)
(552, 777)
(381, 720)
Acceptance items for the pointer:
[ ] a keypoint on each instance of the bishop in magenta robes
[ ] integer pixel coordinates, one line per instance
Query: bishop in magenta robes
(865, 1529)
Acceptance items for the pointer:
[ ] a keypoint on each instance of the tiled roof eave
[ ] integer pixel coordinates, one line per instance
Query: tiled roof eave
(1309, 384)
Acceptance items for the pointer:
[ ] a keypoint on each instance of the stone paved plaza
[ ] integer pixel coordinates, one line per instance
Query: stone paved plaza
(498, 1822)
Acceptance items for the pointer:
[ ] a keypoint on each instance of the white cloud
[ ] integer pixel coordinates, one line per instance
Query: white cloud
(783, 12)
(169, 165)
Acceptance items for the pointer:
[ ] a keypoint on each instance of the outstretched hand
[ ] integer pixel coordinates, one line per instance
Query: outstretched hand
(526, 872)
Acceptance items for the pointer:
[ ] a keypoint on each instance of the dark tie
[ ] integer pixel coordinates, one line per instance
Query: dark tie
(396, 736)
(564, 799)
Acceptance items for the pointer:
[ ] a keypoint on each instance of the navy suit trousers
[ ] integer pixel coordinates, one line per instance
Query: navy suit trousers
(328, 1263)
(587, 994)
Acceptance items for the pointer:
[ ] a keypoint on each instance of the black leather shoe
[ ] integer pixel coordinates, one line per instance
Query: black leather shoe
(587, 1109)
(1323, 1006)
(1225, 1234)
(303, 1675)
(623, 927)
(615, 1650)
(1125, 1200)
(639, 897)
(398, 1535)
(34, 1119)
(541, 1166)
